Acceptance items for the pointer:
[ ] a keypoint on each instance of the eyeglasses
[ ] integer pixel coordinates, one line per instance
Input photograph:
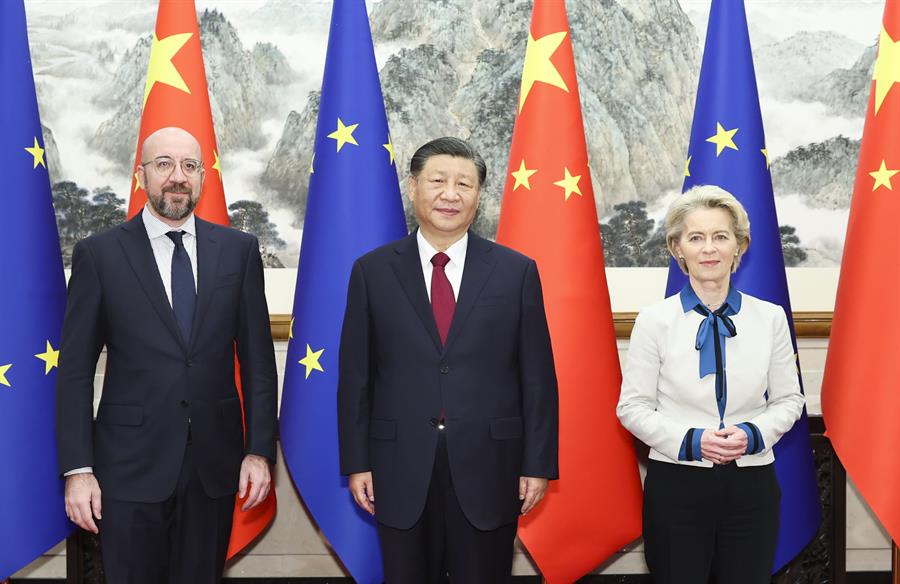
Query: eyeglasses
(165, 166)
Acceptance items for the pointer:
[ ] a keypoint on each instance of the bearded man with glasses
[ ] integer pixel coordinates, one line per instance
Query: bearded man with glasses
(170, 296)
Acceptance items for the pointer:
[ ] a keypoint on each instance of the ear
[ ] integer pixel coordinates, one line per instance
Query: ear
(142, 177)
(411, 188)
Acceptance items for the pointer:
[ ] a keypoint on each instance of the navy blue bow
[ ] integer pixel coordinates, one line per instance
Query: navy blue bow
(715, 322)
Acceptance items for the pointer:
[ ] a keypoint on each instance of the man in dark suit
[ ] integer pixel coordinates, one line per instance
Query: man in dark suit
(447, 395)
(170, 296)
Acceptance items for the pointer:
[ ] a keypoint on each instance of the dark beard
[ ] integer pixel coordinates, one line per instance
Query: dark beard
(175, 213)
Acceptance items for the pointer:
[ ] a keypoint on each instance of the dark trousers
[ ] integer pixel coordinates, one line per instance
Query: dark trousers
(181, 540)
(702, 522)
(443, 541)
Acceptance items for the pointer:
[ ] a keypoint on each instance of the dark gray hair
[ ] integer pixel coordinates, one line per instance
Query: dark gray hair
(449, 146)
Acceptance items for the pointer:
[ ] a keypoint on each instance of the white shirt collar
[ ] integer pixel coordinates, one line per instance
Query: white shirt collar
(156, 228)
(457, 251)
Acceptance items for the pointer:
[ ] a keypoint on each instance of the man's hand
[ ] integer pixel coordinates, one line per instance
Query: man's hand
(255, 474)
(363, 490)
(83, 500)
(531, 491)
(723, 446)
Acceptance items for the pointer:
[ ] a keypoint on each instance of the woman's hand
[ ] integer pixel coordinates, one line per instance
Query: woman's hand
(723, 446)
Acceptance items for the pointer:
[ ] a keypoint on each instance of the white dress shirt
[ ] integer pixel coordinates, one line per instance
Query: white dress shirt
(663, 395)
(453, 269)
(163, 249)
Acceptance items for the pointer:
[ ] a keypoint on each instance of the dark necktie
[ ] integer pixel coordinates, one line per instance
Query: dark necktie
(184, 294)
(443, 303)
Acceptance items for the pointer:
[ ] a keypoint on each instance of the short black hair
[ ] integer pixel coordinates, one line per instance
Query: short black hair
(449, 146)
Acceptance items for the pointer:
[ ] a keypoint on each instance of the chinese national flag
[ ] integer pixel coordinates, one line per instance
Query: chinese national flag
(549, 214)
(176, 95)
(861, 388)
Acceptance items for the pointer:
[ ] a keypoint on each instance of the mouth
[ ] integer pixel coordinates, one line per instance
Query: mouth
(447, 212)
(710, 263)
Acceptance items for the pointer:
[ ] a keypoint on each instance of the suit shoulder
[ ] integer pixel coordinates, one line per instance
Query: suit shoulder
(759, 304)
(225, 232)
(383, 253)
(102, 238)
(661, 310)
(507, 253)
(760, 307)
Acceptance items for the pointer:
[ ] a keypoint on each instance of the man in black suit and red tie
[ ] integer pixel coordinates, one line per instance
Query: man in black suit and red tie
(447, 394)
(170, 296)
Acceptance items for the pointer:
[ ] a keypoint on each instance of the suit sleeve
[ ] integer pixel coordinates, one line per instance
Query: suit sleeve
(354, 381)
(82, 340)
(540, 400)
(256, 354)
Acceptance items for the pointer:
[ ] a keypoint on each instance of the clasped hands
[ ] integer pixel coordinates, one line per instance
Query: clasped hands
(531, 490)
(723, 446)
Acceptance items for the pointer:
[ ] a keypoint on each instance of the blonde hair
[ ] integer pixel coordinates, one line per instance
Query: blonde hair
(707, 197)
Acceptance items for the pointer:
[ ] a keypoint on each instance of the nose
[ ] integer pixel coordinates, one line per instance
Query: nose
(178, 175)
(450, 193)
(708, 246)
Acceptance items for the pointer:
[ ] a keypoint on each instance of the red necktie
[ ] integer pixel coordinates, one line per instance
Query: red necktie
(443, 303)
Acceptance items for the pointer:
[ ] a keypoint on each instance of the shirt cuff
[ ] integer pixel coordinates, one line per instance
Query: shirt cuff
(755, 443)
(690, 446)
(82, 470)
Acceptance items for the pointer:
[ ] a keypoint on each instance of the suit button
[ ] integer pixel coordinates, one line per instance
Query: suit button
(445, 369)
(185, 403)
(189, 363)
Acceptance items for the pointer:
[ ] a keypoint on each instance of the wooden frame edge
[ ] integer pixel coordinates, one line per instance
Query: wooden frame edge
(811, 325)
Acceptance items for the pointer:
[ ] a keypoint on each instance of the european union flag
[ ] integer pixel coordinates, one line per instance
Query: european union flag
(728, 149)
(32, 303)
(354, 206)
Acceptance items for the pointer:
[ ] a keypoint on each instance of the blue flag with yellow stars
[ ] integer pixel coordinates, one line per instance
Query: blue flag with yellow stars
(354, 206)
(32, 303)
(728, 149)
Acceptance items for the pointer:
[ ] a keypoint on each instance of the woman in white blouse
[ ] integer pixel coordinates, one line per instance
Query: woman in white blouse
(710, 385)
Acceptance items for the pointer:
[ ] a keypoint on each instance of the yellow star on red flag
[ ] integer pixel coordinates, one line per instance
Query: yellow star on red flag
(161, 68)
(887, 67)
(522, 176)
(883, 176)
(217, 165)
(569, 183)
(538, 66)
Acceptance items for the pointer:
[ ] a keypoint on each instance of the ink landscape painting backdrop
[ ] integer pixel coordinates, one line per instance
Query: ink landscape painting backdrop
(453, 68)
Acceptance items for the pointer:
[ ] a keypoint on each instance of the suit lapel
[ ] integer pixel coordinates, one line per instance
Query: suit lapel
(140, 256)
(207, 267)
(408, 269)
(478, 268)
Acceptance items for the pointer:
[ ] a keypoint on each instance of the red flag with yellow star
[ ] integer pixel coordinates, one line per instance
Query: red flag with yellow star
(861, 388)
(176, 95)
(549, 214)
